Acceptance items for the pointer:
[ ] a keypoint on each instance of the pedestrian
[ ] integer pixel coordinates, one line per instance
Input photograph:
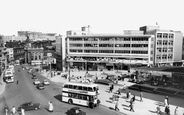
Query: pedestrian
(141, 95)
(116, 105)
(167, 110)
(13, 110)
(50, 107)
(131, 106)
(166, 101)
(127, 95)
(112, 86)
(6, 110)
(133, 99)
(17, 82)
(22, 111)
(158, 110)
(176, 111)
(110, 89)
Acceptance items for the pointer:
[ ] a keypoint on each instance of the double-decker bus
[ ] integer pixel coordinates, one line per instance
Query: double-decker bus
(9, 77)
(85, 94)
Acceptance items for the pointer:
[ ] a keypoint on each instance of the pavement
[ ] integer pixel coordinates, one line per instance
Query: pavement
(147, 107)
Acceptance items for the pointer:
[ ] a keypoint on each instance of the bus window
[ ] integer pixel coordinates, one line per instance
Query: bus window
(94, 88)
(74, 95)
(69, 95)
(70, 86)
(80, 87)
(84, 97)
(90, 89)
(75, 87)
(79, 96)
(65, 86)
(84, 88)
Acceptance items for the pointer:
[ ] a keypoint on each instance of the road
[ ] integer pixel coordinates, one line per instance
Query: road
(26, 91)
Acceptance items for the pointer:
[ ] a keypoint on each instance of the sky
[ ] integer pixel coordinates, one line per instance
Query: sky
(103, 16)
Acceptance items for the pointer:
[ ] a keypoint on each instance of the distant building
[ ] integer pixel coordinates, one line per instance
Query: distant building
(37, 36)
(84, 31)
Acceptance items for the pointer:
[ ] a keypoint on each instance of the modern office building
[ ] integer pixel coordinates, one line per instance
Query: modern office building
(167, 45)
(150, 46)
(97, 52)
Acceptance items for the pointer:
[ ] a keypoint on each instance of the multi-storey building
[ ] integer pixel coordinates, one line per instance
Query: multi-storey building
(10, 55)
(109, 51)
(149, 46)
(167, 45)
(60, 53)
(3, 55)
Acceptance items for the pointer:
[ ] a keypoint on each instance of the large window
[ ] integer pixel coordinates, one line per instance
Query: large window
(90, 51)
(122, 51)
(139, 52)
(159, 35)
(171, 35)
(165, 35)
(105, 51)
(75, 50)
(75, 45)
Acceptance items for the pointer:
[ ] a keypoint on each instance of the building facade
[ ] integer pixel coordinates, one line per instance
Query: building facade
(3, 55)
(10, 54)
(167, 45)
(60, 53)
(34, 56)
(97, 52)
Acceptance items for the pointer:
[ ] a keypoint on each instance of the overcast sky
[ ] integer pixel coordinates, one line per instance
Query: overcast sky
(104, 16)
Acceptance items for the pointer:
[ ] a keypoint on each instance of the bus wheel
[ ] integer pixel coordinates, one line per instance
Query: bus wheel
(92, 105)
(70, 101)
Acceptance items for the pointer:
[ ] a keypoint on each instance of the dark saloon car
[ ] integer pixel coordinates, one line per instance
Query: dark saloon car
(103, 81)
(75, 111)
(40, 86)
(29, 106)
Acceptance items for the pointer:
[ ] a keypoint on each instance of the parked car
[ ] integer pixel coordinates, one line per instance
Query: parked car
(75, 111)
(45, 82)
(103, 81)
(34, 77)
(36, 82)
(29, 106)
(40, 86)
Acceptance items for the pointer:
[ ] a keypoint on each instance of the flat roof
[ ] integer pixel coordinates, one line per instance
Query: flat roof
(104, 35)
(83, 84)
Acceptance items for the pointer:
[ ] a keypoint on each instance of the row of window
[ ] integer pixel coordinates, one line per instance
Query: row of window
(164, 42)
(80, 87)
(165, 35)
(170, 56)
(82, 97)
(109, 45)
(111, 39)
(165, 49)
(111, 51)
